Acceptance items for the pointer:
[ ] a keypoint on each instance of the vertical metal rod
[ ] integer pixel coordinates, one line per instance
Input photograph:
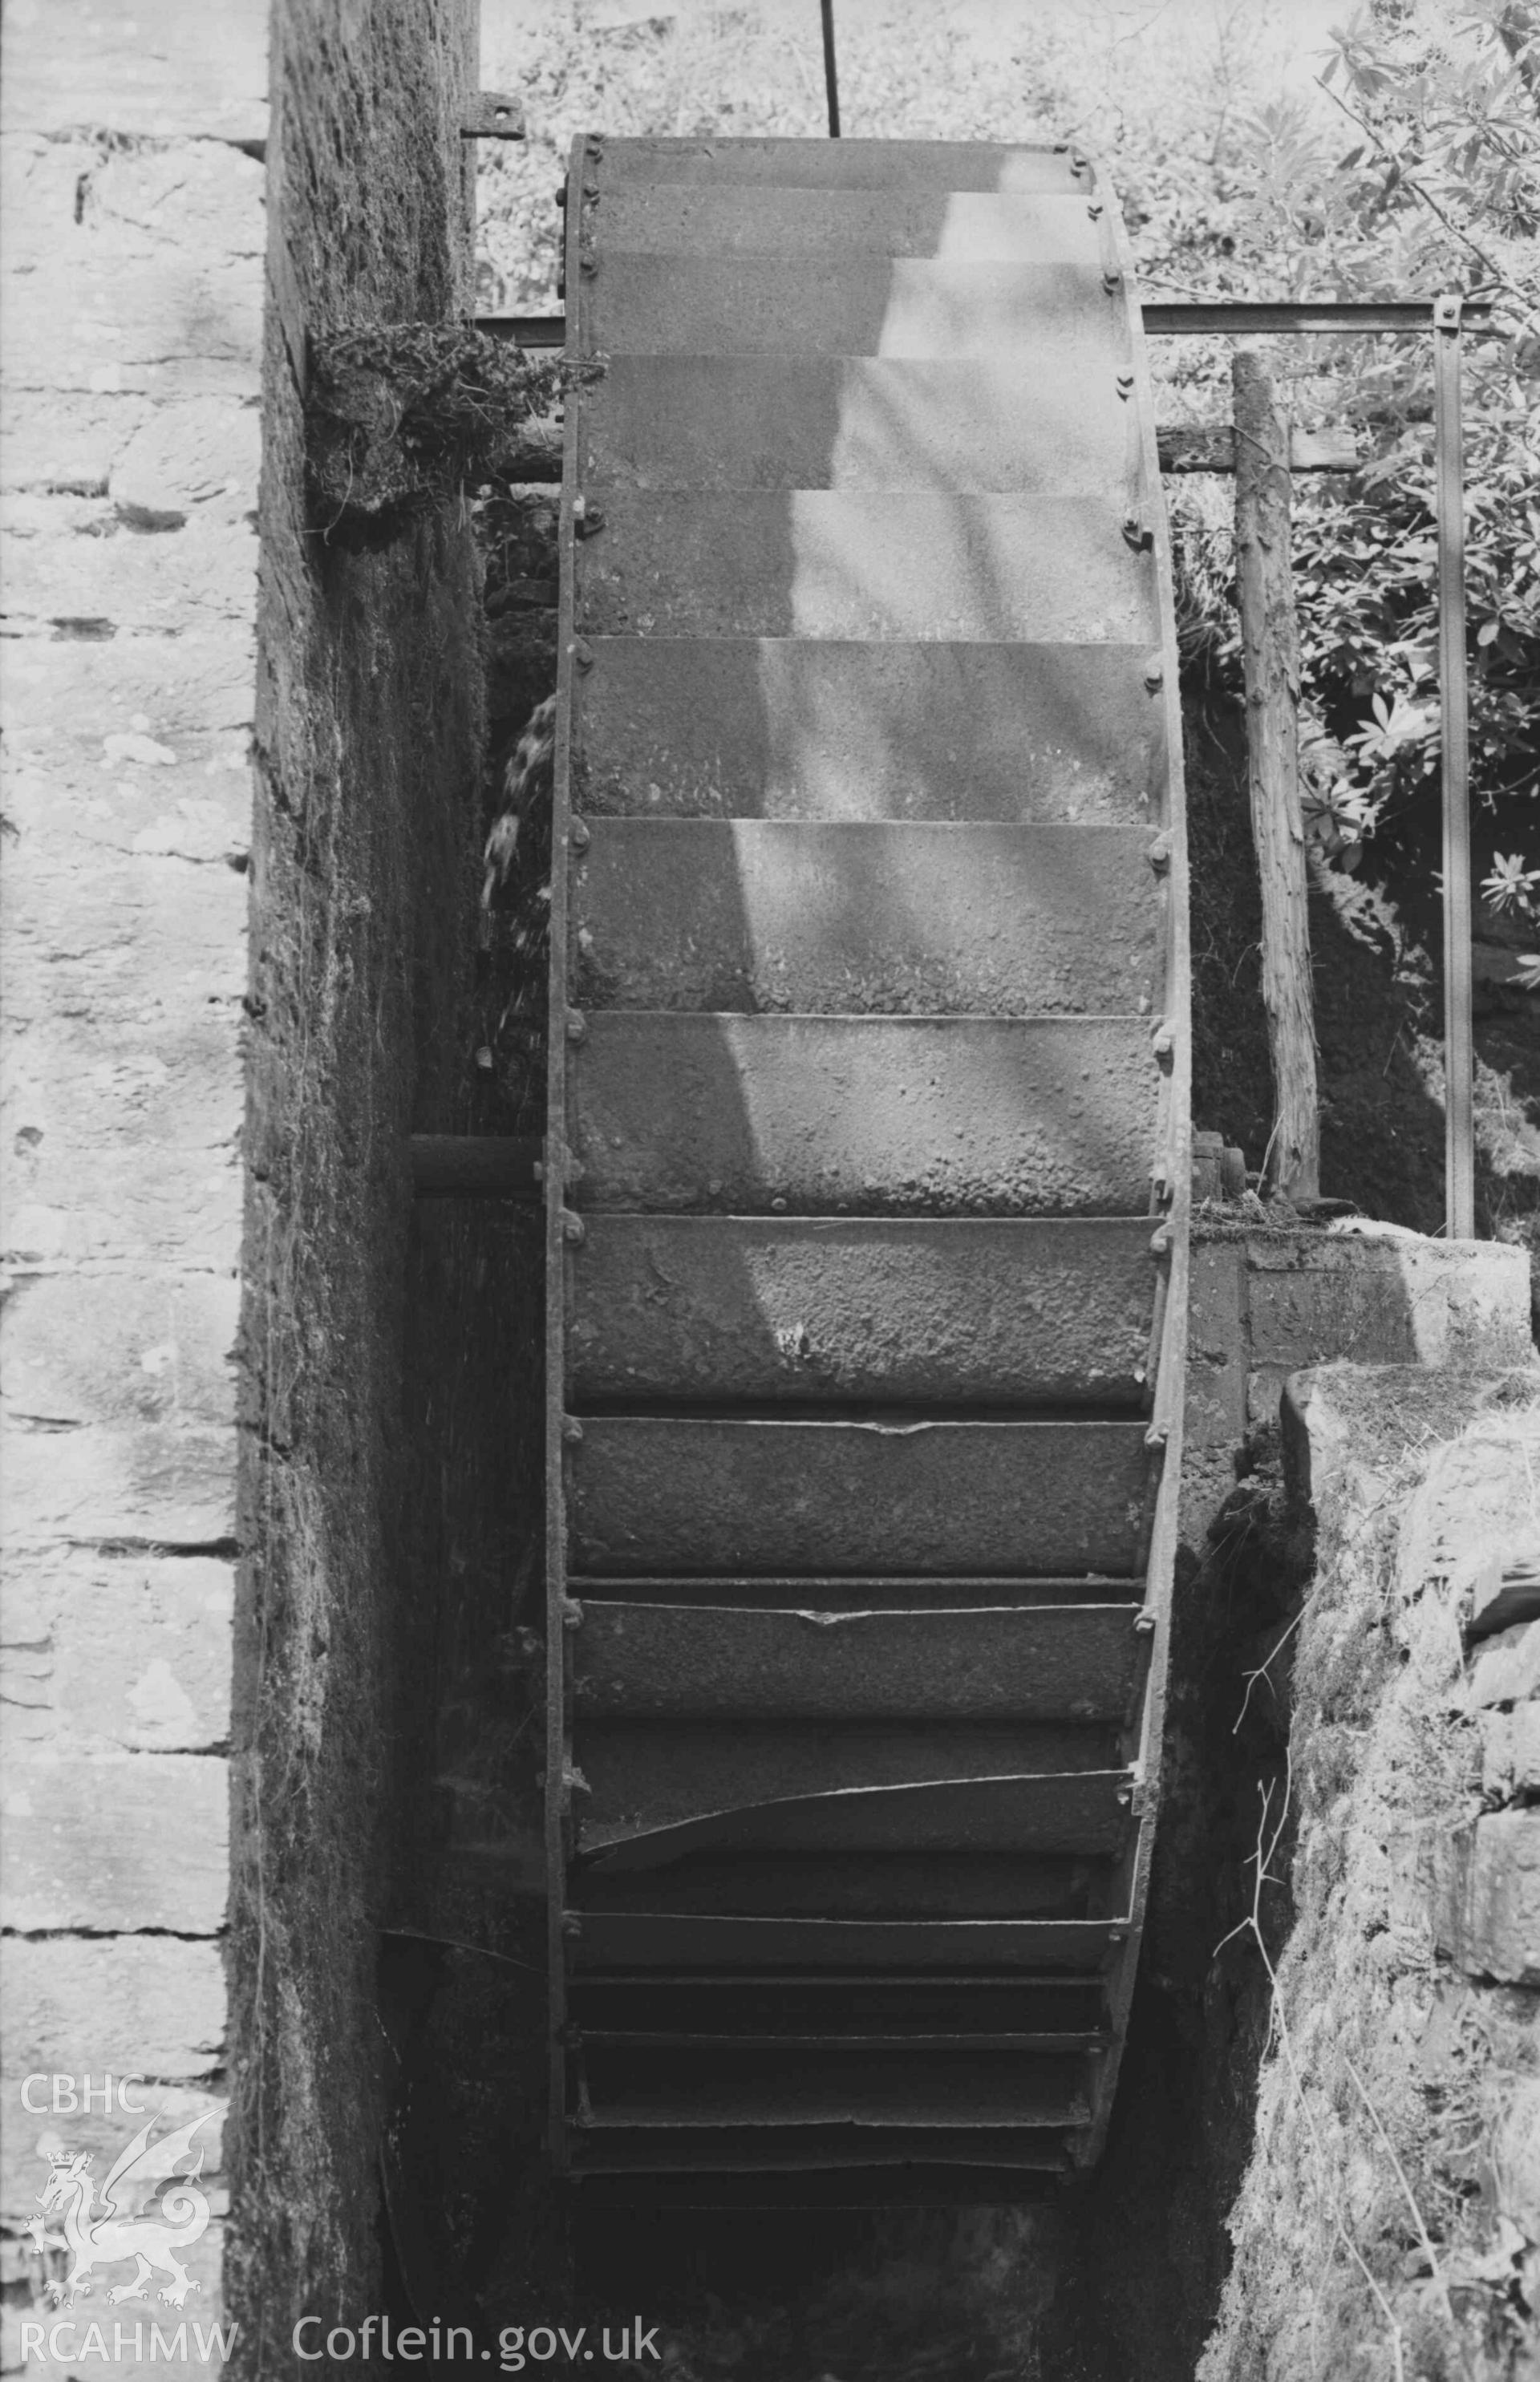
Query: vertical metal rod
(583, 165)
(1460, 1200)
(830, 77)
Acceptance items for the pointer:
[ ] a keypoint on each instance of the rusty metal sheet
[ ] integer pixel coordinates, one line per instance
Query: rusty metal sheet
(908, 2043)
(917, 2183)
(1072, 1661)
(659, 1492)
(1014, 227)
(838, 2088)
(715, 423)
(833, 2008)
(1067, 1812)
(849, 305)
(1051, 1116)
(640, 1777)
(808, 729)
(823, 562)
(654, 1939)
(845, 165)
(952, 2032)
(774, 914)
(959, 1310)
(876, 1884)
(799, 1592)
(839, 2149)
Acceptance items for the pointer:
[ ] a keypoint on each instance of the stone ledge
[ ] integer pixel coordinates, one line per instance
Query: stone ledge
(201, 457)
(107, 1654)
(1392, 1299)
(117, 1210)
(1511, 1754)
(62, 697)
(147, 2003)
(69, 446)
(1487, 1912)
(1504, 1592)
(1505, 1668)
(201, 576)
(114, 326)
(88, 199)
(125, 1122)
(149, 68)
(165, 1483)
(1264, 1306)
(121, 1408)
(117, 1847)
(156, 1350)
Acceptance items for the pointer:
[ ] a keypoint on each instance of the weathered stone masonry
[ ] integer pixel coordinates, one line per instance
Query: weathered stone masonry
(132, 237)
(368, 821)
(243, 836)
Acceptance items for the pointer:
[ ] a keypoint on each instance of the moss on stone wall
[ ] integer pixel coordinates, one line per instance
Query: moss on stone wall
(370, 736)
(1389, 2221)
(407, 414)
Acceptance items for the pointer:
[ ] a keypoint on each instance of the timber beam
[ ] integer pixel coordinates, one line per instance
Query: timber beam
(1226, 317)
(1210, 447)
(477, 1166)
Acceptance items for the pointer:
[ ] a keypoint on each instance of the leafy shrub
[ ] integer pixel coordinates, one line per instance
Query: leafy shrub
(1411, 164)
(1439, 188)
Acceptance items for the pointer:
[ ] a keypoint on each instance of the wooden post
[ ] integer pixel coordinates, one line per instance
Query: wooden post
(1270, 640)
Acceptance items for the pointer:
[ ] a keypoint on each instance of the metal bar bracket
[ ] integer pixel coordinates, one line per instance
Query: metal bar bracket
(493, 115)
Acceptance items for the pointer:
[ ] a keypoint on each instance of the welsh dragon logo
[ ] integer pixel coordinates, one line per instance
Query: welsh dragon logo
(138, 2219)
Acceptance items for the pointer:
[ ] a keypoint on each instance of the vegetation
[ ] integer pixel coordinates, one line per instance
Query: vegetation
(1403, 160)
(397, 415)
(1439, 188)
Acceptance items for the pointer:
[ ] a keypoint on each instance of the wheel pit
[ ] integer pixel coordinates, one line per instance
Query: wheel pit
(454, 2208)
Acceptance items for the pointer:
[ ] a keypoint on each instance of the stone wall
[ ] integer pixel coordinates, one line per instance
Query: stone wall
(1144, 2260)
(369, 818)
(1268, 1302)
(201, 969)
(1389, 2219)
(132, 235)
(1400, 1891)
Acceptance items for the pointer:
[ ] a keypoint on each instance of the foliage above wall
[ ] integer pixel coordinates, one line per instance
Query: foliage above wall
(1402, 159)
(408, 412)
(1438, 188)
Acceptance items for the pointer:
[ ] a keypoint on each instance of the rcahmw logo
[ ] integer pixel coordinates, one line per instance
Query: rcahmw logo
(149, 2210)
(63, 2344)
